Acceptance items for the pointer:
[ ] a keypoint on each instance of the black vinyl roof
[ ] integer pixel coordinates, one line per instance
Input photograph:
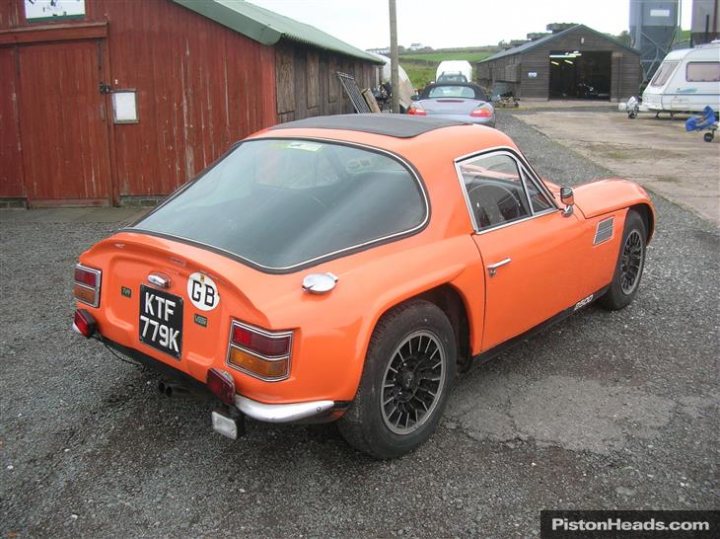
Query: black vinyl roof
(392, 125)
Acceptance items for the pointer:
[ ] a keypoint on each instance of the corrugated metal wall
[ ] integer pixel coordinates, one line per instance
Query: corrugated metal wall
(10, 14)
(515, 69)
(11, 173)
(200, 86)
(308, 84)
(63, 128)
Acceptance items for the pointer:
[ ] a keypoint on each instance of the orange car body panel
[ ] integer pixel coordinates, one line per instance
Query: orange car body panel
(603, 197)
(547, 254)
(555, 265)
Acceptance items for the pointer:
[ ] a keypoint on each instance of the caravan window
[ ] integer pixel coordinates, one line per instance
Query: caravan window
(663, 73)
(703, 72)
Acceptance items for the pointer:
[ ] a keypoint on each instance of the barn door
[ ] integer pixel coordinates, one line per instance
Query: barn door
(64, 125)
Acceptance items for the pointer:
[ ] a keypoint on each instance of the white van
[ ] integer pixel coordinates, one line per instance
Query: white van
(454, 71)
(688, 80)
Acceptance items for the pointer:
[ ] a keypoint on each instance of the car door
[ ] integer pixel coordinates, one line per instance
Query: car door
(531, 250)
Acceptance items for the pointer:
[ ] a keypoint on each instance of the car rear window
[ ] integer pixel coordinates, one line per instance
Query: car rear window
(280, 203)
(450, 91)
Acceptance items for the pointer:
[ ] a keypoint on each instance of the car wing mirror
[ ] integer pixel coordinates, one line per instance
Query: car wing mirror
(567, 198)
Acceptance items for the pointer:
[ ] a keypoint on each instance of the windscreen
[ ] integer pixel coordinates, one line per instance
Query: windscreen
(283, 203)
(663, 73)
(451, 91)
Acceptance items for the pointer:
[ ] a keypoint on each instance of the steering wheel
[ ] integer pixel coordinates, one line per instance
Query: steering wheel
(489, 203)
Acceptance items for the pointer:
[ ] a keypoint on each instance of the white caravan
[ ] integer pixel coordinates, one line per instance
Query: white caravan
(688, 80)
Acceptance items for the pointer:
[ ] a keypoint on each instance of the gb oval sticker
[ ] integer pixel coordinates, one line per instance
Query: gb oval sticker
(203, 292)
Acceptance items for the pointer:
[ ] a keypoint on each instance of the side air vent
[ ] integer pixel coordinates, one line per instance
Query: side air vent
(604, 230)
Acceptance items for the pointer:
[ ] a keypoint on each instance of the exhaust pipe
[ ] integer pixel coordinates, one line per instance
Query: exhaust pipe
(172, 389)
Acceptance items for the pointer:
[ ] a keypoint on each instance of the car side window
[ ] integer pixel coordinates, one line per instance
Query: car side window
(495, 190)
(538, 200)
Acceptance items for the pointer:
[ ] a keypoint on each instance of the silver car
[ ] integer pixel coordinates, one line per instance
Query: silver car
(462, 101)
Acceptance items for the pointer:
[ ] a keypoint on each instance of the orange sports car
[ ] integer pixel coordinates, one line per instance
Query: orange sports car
(347, 267)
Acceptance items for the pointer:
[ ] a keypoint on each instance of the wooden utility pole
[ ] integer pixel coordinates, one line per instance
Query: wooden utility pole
(394, 77)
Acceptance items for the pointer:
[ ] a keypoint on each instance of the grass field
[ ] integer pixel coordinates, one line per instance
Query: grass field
(421, 66)
(439, 56)
(420, 74)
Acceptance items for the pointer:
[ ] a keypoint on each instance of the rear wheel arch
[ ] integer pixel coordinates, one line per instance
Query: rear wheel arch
(401, 396)
(452, 303)
(450, 300)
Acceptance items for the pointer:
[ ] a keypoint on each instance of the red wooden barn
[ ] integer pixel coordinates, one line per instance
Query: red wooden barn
(112, 101)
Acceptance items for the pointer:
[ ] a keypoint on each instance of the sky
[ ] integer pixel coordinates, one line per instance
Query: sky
(453, 23)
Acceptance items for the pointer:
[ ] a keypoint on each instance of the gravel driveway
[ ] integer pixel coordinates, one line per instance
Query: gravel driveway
(605, 410)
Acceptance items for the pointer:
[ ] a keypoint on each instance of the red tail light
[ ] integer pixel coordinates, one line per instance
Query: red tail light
(84, 323)
(416, 110)
(86, 276)
(222, 385)
(87, 285)
(260, 353)
(265, 344)
(482, 112)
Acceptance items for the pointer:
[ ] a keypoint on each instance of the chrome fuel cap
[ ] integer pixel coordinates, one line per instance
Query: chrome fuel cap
(319, 283)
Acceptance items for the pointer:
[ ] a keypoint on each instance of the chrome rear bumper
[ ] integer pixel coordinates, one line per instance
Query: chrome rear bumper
(271, 413)
(281, 413)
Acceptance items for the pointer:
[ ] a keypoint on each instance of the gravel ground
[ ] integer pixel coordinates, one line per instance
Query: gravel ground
(605, 410)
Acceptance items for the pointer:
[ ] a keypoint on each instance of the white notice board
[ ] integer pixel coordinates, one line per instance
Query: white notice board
(125, 107)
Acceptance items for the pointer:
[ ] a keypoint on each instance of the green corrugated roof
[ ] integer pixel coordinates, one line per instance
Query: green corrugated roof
(268, 27)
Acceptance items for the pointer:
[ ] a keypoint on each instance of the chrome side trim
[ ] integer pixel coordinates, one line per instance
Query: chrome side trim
(522, 168)
(604, 230)
(511, 223)
(534, 176)
(281, 413)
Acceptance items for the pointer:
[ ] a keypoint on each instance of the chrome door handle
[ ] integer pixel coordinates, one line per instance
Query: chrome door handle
(492, 268)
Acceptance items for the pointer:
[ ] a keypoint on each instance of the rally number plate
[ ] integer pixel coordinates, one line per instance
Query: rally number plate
(161, 316)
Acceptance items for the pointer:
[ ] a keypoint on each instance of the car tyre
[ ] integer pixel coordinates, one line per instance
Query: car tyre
(409, 369)
(629, 267)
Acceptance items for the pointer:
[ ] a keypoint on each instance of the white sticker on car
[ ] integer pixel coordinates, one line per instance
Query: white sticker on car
(580, 304)
(203, 292)
(301, 145)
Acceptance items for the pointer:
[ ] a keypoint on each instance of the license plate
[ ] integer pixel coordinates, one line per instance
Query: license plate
(161, 316)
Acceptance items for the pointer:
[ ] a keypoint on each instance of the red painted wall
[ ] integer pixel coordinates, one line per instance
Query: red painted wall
(11, 173)
(200, 86)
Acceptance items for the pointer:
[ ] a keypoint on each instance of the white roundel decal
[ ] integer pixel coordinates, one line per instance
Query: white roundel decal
(203, 292)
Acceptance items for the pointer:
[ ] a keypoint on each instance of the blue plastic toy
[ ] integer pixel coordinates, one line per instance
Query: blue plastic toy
(708, 121)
